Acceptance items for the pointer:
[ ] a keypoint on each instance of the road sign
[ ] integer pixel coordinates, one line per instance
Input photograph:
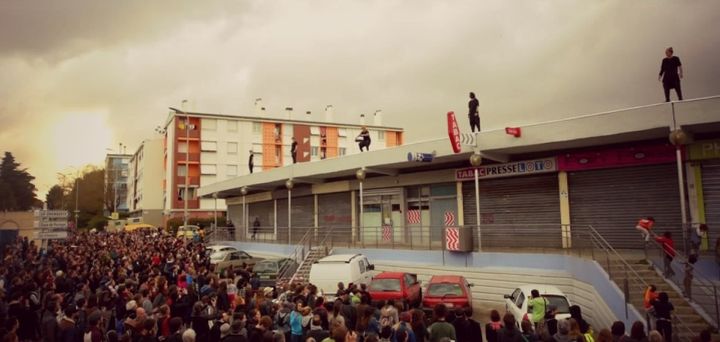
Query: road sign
(453, 132)
(51, 213)
(51, 235)
(60, 224)
(514, 131)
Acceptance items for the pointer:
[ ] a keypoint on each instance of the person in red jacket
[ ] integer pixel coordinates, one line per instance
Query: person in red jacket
(644, 226)
(669, 252)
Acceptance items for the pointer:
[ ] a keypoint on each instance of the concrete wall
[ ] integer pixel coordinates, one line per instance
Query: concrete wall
(22, 221)
(496, 274)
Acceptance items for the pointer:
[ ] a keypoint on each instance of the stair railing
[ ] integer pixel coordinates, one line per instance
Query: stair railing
(297, 256)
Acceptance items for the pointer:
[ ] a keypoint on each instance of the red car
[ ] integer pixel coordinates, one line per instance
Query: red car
(398, 286)
(453, 291)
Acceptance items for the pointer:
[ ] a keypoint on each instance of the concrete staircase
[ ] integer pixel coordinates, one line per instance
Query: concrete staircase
(303, 272)
(687, 324)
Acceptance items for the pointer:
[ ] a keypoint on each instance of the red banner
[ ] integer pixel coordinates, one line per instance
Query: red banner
(453, 132)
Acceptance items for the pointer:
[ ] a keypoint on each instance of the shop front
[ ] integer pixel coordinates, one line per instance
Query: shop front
(704, 185)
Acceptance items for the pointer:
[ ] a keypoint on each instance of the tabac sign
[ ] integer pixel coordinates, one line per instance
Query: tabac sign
(520, 168)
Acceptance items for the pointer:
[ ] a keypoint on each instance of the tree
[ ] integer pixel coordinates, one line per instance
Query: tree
(17, 191)
(89, 189)
(55, 198)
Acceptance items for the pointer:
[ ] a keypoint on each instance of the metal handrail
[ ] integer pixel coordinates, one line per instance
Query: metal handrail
(298, 255)
(700, 281)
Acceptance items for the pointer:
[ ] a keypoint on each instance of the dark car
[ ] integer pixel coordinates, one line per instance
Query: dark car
(271, 271)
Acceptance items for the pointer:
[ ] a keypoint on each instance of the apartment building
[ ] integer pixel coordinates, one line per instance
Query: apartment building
(204, 148)
(145, 193)
(116, 179)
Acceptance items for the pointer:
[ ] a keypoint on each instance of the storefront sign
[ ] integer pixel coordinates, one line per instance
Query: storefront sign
(520, 168)
(453, 132)
(700, 150)
(602, 158)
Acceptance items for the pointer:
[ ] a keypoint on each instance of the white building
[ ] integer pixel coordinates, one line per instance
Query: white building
(145, 192)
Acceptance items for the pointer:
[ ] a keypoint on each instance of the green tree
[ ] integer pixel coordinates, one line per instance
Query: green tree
(89, 189)
(16, 188)
(55, 198)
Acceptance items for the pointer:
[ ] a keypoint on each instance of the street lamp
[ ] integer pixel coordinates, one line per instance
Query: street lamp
(246, 221)
(679, 138)
(289, 184)
(475, 161)
(360, 175)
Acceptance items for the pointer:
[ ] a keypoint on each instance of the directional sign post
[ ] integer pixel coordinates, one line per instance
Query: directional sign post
(50, 225)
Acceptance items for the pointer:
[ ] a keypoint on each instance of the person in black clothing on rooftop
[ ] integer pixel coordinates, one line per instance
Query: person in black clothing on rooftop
(473, 114)
(670, 74)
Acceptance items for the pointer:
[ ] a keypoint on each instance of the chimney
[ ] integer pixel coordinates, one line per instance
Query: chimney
(377, 120)
(259, 109)
(362, 119)
(329, 113)
(289, 112)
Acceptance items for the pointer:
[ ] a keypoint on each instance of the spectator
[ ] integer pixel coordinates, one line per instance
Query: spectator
(550, 321)
(175, 325)
(509, 332)
(473, 114)
(527, 332)
(637, 333)
(688, 279)
(649, 297)
(538, 304)
(655, 336)
(618, 331)
(644, 226)
(668, 252)
(670, 74)
(419, 327)
(576, 314)
(605, 336)
(663, 313)
(363, 139)
(492, 328)
(441, 329)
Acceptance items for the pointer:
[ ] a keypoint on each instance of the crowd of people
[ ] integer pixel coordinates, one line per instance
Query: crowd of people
(144, 286)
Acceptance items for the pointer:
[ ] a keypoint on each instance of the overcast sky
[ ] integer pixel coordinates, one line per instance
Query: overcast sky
(80, 76)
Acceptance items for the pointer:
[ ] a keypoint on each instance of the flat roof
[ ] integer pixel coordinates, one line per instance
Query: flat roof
(649, 122)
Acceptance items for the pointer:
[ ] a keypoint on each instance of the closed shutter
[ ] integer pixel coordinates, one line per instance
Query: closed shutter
(302, 216)
(235, 215)
(334, 211)
(711, 192)
(613, 200)
(265, 213)
(530, 202)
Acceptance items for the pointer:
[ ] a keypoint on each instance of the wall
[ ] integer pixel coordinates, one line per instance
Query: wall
(18, 220)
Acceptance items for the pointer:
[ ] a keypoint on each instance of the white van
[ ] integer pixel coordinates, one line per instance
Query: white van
(327, 272)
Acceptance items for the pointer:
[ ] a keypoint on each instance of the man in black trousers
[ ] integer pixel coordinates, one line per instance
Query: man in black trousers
(473, 114)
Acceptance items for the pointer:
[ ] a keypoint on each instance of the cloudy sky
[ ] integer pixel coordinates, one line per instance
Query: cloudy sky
(80, 76)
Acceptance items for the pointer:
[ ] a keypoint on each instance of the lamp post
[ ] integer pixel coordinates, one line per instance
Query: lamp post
(244, 192)
(77, 198)
(289, 185)
(215, 195)
(475, 161)
(679, 138)
(360, 175)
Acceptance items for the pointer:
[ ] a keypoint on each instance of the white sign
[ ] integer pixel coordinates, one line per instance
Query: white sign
(51, 235)
(50, 224)
(519, 168)
(51, 213)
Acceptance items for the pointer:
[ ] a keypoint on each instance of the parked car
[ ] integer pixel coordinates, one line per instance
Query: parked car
(217, 251)
(347, 268)
(269, 271)
(517, 302)
(188, 231)
(397, 286)
(451, 290)
(234, 258)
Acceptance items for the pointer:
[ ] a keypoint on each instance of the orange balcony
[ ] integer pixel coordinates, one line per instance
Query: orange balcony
(181, 134)
(192, 204)
(192, 180)
(182, 157)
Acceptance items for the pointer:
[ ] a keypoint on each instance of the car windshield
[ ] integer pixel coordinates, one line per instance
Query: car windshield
(217, 256)
(445, 289)
(385, 285)
(560, 302)
(266, 267)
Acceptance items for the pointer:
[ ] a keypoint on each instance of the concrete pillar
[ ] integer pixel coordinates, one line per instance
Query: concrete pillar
(460, 210)
(564, 192)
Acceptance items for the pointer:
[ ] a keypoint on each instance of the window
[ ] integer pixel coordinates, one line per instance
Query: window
(342, 132)
(314, 130)
(182, 170)
(181, 193)
(208, 146)
(183, 147)
(520, 300)
(209, 124)
(381, 135)
(342, 151)
(231, 170)
(314, 151)
(208, 169)
(232, 126)
(232, 148)
(257, 127)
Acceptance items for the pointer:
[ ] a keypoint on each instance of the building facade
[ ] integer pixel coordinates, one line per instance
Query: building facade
(116, 183)
(556, 179)
(202, 149)
(145, 194)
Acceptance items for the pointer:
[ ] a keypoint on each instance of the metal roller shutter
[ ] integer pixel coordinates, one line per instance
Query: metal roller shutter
(334, 211)
(265, 212)
(302, 215)
(516, 202)
(711, 192)
(613, 200)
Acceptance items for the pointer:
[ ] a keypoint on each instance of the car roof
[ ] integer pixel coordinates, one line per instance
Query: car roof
(446, 279)
(339, 258)
(543, 289)
(389, 275)
(220, 246)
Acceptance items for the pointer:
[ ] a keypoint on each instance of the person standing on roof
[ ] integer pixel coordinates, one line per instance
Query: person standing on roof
(644, 226)
(251, 161)
(670, 74)
(293, 150)
(473, 114)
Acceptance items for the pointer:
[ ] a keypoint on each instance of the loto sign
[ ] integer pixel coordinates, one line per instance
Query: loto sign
(453, 132)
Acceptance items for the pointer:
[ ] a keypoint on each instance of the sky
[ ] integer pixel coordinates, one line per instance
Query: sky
(78, 77)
